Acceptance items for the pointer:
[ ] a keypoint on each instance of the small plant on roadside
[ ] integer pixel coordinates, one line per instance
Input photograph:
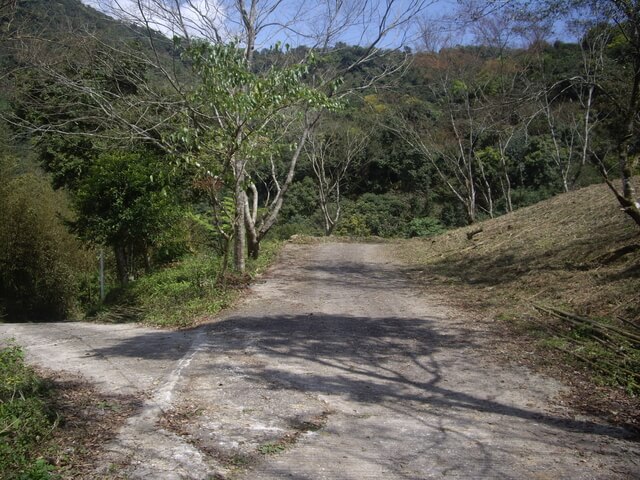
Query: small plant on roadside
(424, 227)
(25, 421)
(271, 448)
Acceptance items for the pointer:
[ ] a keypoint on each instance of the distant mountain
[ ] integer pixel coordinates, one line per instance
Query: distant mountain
(57, 20)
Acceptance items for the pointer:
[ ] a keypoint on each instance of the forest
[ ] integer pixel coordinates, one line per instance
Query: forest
(179, 163)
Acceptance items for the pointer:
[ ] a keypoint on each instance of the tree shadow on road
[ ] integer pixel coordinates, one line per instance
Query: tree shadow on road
(389, 361)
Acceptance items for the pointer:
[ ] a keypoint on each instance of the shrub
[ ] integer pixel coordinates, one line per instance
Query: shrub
(354, 225)
(384, 215)
(424, 227)
(25, 422)
(41, 263)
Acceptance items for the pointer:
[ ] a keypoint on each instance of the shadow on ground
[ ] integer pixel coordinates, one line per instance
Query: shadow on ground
(388, 361)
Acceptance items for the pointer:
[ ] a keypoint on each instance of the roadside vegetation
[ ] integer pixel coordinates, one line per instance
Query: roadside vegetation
(26, 421)
(52, 426)
(182, 293)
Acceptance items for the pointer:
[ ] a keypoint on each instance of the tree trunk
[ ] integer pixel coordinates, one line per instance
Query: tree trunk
(240, 234)
(253, 246)
(628, 206)
(628, 157)
(121, 264)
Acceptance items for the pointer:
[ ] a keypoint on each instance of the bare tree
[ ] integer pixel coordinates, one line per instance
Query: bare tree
(333, 153)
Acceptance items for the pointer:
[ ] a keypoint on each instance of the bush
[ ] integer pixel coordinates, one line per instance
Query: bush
(25, 422)
(41, 263)
(354, 225)
(385, 215)
(523, 197)
(424, 227)
(453, 214)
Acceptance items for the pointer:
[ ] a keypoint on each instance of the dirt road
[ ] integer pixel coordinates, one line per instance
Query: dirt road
(334, 368)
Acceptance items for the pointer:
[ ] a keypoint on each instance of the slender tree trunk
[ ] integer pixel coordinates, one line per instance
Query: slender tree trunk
(222, 275)
(628, 159)
(253, 246)
(240, 233)
(121, 264)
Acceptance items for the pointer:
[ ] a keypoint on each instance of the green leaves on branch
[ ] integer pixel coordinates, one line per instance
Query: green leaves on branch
(237, 111)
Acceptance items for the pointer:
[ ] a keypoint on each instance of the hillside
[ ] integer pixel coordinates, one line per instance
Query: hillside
(575, 256)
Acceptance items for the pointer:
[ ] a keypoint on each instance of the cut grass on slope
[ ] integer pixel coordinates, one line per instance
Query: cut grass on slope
(544, 273)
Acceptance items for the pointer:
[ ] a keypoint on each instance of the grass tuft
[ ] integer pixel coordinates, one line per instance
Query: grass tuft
(25, 421)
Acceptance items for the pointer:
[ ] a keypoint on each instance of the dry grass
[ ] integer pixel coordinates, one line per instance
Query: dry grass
(576, 252)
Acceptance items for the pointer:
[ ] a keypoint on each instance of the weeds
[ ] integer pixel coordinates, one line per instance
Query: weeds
(271, 448)
(183, 292)
(25, 421)
(610, 349)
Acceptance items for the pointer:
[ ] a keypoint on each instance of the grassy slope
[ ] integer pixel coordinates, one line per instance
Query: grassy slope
(565, 252)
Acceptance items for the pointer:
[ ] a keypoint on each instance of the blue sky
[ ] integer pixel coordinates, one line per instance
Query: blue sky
(404, 35)
(439, 14)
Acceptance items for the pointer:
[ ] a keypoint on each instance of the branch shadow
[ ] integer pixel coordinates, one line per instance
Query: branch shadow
(366, 360)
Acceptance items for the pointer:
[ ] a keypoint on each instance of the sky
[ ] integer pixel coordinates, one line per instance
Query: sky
(439, 15)
(404, 35)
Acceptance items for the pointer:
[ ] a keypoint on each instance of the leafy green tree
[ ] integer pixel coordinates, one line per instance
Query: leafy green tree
(122, 201)
(235, 124)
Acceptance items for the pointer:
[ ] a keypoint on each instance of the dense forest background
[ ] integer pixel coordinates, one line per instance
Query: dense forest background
(159, 156)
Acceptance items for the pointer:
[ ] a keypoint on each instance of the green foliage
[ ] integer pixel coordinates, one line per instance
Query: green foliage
(424, 227)
(41, 264)
(25, 422)
(453, 215)
(182, 293)
(612, 359)
(383, 215)
(236, 120)
(354, 225)
(302, 199)
(122, 199)
(253, 104)
(523, 197)
(271, 448)
(172, 296)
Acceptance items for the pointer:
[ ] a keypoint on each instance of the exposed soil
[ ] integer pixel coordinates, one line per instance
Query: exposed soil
(335, 367)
